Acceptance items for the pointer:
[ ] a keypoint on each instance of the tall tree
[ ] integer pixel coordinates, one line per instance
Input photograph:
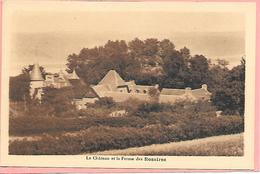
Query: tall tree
(199, 70)
(231, 96)
(19, 87)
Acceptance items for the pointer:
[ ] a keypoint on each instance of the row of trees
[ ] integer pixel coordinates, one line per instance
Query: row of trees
(150, 62)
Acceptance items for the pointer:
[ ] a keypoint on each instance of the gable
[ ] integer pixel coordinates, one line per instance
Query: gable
(112, 78)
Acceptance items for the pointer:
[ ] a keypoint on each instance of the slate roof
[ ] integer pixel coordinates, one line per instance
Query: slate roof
(112, 78)
(36, 74)
(99, 89)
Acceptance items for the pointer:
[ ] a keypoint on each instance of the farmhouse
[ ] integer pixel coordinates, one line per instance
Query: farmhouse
(112, 85)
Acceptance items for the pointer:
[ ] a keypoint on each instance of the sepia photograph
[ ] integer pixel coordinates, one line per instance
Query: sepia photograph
(141, 80)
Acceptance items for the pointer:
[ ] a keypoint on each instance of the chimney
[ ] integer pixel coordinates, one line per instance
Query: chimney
(204, 86)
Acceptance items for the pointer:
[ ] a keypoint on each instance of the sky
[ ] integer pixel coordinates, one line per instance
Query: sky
(48, 36)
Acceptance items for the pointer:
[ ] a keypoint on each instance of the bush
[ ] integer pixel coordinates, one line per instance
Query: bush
(106, 102)
(149, 123)
(105, 138)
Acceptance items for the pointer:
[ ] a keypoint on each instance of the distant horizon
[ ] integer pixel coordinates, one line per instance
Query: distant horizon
(50, 36)
(35, 54)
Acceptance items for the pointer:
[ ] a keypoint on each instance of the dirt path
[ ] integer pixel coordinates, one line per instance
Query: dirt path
(27, 138)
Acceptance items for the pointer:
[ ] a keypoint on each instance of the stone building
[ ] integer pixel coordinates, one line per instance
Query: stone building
(112, 85)
(56, 80)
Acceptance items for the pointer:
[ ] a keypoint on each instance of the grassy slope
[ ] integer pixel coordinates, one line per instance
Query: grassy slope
(224, 145)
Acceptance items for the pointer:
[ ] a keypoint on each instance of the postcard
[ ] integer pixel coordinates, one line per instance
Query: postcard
(128, 85)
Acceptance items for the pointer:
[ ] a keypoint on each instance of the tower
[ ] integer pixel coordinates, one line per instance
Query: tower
(36, 82)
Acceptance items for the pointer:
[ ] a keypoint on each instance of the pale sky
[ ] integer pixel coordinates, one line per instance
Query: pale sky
(49, 36)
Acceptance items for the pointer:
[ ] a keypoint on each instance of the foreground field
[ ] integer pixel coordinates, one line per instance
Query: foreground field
(224, 145)
(94, 130)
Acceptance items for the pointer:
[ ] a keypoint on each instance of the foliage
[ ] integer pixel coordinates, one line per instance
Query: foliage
(29, 68)
(107, 102)
(152, 61)
(19, 87)
(231, 96)
(104, 138)
(225, 145)
(58, 99)
(154, 93)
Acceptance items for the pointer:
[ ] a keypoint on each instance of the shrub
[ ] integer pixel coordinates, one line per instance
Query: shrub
(98, 138)
(106, 102)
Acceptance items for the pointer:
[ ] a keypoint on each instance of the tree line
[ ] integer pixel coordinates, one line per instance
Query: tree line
(152, 61)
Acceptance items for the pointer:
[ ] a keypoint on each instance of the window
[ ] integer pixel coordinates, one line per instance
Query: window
(137, 91)
(144, 91)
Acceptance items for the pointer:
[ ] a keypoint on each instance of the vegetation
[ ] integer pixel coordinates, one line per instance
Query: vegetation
(151, 62)
(149, 123)
(61, 129)
(224, 145)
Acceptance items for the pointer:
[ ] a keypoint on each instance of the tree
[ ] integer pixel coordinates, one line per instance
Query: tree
(58, 99)
(231, 96)
(151, 47)
(199, 70)
(136, 47)
(177, 74)
(19, 87)
(154, 94)
(222, 63)
(106, 102)
(166, 47)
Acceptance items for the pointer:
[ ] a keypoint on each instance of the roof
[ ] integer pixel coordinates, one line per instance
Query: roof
(112, 78)
(90, 94)
(200, 93)
(73, 76)
(61, 78)
(168, 91)
(99, 89)
(36, 74)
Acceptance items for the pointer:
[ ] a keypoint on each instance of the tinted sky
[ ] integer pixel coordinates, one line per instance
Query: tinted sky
(50, 36)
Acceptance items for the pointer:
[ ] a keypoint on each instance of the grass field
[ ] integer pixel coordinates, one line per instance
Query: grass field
(224, 145)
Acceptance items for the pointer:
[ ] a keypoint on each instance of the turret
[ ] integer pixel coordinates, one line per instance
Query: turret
(36, 74)
(36, 82)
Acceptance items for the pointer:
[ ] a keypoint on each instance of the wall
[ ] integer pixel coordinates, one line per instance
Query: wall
(119, 97)
(170, 98)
